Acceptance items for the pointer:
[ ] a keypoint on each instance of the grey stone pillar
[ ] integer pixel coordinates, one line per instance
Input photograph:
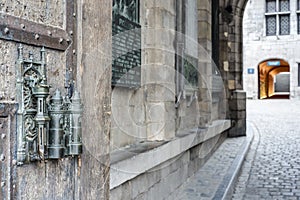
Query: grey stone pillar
(205, 64)
(158, 71)
(237, 106)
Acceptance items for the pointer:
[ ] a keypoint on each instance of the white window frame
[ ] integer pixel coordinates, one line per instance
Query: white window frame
(278, 13)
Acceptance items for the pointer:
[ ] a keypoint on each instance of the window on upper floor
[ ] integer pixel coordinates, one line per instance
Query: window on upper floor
(298, 16)
(277, 17)
(298, 74)
(298, 19)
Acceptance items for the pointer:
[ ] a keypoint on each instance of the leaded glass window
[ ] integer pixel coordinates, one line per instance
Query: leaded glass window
(126, 8)
(278, 17)
(284, 21)
(191, 47)
(298, 17)
(126, 44)
(271, 25)
(270, 6)
(191, 71)
(284, 5)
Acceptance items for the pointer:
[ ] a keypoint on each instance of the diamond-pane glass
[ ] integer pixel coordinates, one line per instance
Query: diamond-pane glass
(270, 6)
(284, 24)
(284, 5)
(271, 25)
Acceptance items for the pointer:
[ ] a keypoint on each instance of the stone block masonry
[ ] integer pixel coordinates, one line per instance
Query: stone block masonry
(154, 173)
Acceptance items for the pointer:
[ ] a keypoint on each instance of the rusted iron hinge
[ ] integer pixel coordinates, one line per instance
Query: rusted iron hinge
(32, 33)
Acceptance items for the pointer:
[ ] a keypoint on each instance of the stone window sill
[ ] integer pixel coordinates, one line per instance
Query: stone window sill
(128, 163)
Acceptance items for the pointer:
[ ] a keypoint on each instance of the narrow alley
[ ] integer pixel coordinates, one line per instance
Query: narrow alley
(263, 165)
(272, 166)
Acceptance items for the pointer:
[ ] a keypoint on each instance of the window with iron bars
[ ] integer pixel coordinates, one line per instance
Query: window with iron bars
(126, 44)
(277, 17)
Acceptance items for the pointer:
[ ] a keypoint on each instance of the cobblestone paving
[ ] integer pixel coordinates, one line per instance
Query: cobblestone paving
(204, 184)
(272, 166)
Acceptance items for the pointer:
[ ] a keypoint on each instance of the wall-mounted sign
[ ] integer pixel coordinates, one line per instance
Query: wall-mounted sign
(250, 70)
(273, 63)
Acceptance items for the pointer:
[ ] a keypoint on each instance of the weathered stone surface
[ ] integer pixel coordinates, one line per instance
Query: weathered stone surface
(7, 71)
(132, 167)
(239, 94)
(45, 12)
(213, 176)
(238, 129)
(230, 49)
(237, 104)
(238, 115)
(162, 180)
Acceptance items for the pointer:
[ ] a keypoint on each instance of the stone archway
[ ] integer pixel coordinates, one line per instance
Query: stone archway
(231, 41)
(231, 61)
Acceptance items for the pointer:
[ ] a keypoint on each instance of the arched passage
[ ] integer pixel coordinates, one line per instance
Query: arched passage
(267, 73)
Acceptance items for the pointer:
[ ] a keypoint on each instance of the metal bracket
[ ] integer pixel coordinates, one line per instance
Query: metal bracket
(192, 98)
(180, 97)
(71, 54)
(32, 33)
(46, 130)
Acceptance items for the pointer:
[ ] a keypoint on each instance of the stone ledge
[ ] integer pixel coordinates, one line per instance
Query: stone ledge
(139, 163)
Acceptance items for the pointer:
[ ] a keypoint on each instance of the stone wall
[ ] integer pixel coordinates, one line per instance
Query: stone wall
(161, 181)
(44, 12)
(157, 110)
(153, 127)
(188, 110)
(148, 112)
(158, 67)
(205, 61)
(231, 62)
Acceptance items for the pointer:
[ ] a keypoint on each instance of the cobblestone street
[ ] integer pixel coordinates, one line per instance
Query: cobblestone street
(272, 166)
